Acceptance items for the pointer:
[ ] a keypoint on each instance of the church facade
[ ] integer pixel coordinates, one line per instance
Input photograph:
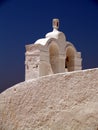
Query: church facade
(50, 55)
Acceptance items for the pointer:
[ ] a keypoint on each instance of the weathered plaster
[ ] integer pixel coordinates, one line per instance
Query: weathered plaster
(50, 55)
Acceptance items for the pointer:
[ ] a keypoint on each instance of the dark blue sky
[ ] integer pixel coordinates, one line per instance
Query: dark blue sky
(24, 21)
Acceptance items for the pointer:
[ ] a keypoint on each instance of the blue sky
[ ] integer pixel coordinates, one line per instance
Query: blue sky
(24, 21)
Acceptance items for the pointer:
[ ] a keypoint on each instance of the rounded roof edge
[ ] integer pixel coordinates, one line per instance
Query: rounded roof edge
(70, 44)
(42, 41)
(55, 34)
(45, 41)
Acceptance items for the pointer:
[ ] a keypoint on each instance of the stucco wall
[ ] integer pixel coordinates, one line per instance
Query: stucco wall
(55, 102)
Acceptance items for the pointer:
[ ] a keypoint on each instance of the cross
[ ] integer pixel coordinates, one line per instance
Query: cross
(55, 24)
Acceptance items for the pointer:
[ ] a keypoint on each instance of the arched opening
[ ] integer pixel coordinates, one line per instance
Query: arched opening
(54, 57)
(69, 61)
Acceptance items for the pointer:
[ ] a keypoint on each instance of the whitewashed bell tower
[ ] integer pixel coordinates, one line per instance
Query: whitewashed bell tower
(51, 55)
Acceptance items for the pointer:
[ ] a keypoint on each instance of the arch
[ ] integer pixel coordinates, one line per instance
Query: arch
(54, 56)
(70, 55)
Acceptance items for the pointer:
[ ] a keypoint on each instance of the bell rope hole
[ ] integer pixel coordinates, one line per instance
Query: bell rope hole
(54, 57)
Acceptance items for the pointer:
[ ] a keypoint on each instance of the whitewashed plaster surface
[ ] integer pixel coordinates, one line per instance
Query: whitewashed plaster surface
(65, 101)
(55, 55)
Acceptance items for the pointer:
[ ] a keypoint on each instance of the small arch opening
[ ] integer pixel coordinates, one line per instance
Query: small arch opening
(69, 61)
